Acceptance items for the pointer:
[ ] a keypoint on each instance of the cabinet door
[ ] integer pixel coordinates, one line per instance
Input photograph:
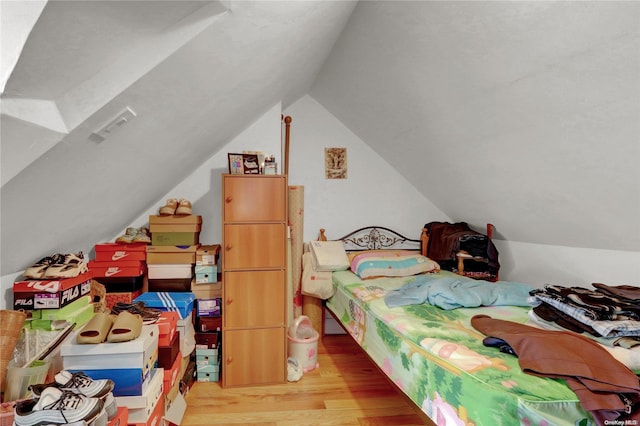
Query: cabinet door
(254, 246)
(254, 299)
(254, 357)
(254, 199)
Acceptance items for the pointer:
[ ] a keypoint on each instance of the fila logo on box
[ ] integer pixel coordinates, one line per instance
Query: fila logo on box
(23, 302)
(48, 286)
(74, 292)
(118, 255)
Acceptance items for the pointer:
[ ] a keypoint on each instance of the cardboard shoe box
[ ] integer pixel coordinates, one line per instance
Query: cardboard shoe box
(50, 294)
(207, 255)
(171, 254)
(190, 223)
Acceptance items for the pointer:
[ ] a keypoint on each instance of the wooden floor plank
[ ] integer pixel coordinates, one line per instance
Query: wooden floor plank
(346, 390)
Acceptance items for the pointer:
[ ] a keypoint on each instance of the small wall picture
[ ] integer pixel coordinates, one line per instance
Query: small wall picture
(335, 163)
(235, 164)
(251, 164)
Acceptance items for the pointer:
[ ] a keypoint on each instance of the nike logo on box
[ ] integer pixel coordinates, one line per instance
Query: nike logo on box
(111, 271)
(119, 255)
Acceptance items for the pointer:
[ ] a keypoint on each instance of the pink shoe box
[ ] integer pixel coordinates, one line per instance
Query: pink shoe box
(114, 252)
(50, 294)
(6, 413)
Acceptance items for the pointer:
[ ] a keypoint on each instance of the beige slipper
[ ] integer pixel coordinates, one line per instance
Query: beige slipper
(169, 209)
(184, 208)
(96, 330)
(127, 326)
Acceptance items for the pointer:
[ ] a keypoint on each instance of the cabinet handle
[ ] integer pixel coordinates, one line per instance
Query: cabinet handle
(229, 359)
(229, 301)
(228, 247)
(228, 199)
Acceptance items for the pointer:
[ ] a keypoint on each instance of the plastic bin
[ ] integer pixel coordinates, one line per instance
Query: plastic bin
(303, 343)
(19, 379)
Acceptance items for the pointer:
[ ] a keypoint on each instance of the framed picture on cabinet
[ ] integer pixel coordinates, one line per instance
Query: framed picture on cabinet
(250, 164)
(235, 164)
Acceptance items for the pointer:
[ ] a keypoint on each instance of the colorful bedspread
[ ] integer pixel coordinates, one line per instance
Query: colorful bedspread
(437, 359)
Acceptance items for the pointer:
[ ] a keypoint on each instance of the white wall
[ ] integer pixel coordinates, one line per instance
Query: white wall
(202, 187)
(373, 194)
(376, 194)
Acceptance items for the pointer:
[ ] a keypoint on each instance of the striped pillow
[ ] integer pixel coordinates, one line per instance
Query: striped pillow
(374, 264)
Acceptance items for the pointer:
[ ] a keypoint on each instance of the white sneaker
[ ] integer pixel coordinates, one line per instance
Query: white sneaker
(82, 384)
(60, 407)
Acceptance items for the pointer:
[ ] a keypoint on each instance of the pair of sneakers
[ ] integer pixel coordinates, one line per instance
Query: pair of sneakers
(175, 207)
(134, 235)
(72, 399)
(57, 265)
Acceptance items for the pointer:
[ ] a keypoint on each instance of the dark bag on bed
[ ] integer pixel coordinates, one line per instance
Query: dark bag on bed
(446, 239)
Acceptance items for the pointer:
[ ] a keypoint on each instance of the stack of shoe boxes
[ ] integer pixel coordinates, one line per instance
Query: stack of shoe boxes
(170, 359)
(207, 286)
(172, 253)
(121, 268)
(46, 301)
(132, 367)
(208, 352)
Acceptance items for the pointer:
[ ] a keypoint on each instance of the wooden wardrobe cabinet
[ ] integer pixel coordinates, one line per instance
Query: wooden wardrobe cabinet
(254, 266)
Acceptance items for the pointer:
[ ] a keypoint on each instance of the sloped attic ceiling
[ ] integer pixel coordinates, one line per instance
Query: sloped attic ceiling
(521, 113)
(526, 114)
(196, 73)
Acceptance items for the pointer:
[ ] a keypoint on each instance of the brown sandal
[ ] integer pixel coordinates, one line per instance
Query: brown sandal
(96, 330)
(127, 326)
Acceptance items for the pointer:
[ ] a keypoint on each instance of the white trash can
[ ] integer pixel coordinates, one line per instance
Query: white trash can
(303, 343)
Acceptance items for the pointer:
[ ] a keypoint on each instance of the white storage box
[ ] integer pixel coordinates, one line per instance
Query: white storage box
(139, 353)
(178, 270)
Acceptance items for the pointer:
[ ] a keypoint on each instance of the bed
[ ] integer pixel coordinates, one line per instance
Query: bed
(436, 357)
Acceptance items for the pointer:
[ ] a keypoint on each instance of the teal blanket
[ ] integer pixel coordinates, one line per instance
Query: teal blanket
(458, 292)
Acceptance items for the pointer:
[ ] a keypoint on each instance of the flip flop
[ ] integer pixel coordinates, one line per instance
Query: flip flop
(96, 330)
(127, 326)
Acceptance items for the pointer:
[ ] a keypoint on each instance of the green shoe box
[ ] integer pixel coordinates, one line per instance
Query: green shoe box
(175, 238)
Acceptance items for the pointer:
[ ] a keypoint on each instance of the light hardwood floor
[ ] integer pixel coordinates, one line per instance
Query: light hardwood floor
(347, 389)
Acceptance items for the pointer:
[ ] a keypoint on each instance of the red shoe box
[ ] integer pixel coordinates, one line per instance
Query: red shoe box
(155, 418)
(125, 297)
(121, 418)
(50, 294)
(168, 326)
(116, 269)
(167, 354)
(114, 252)
(171, 374)
(119, 276)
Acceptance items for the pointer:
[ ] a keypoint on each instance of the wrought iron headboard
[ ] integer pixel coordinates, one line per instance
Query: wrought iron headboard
(378, 238)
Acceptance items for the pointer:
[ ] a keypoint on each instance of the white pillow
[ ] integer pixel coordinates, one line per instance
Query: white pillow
(329, 256)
